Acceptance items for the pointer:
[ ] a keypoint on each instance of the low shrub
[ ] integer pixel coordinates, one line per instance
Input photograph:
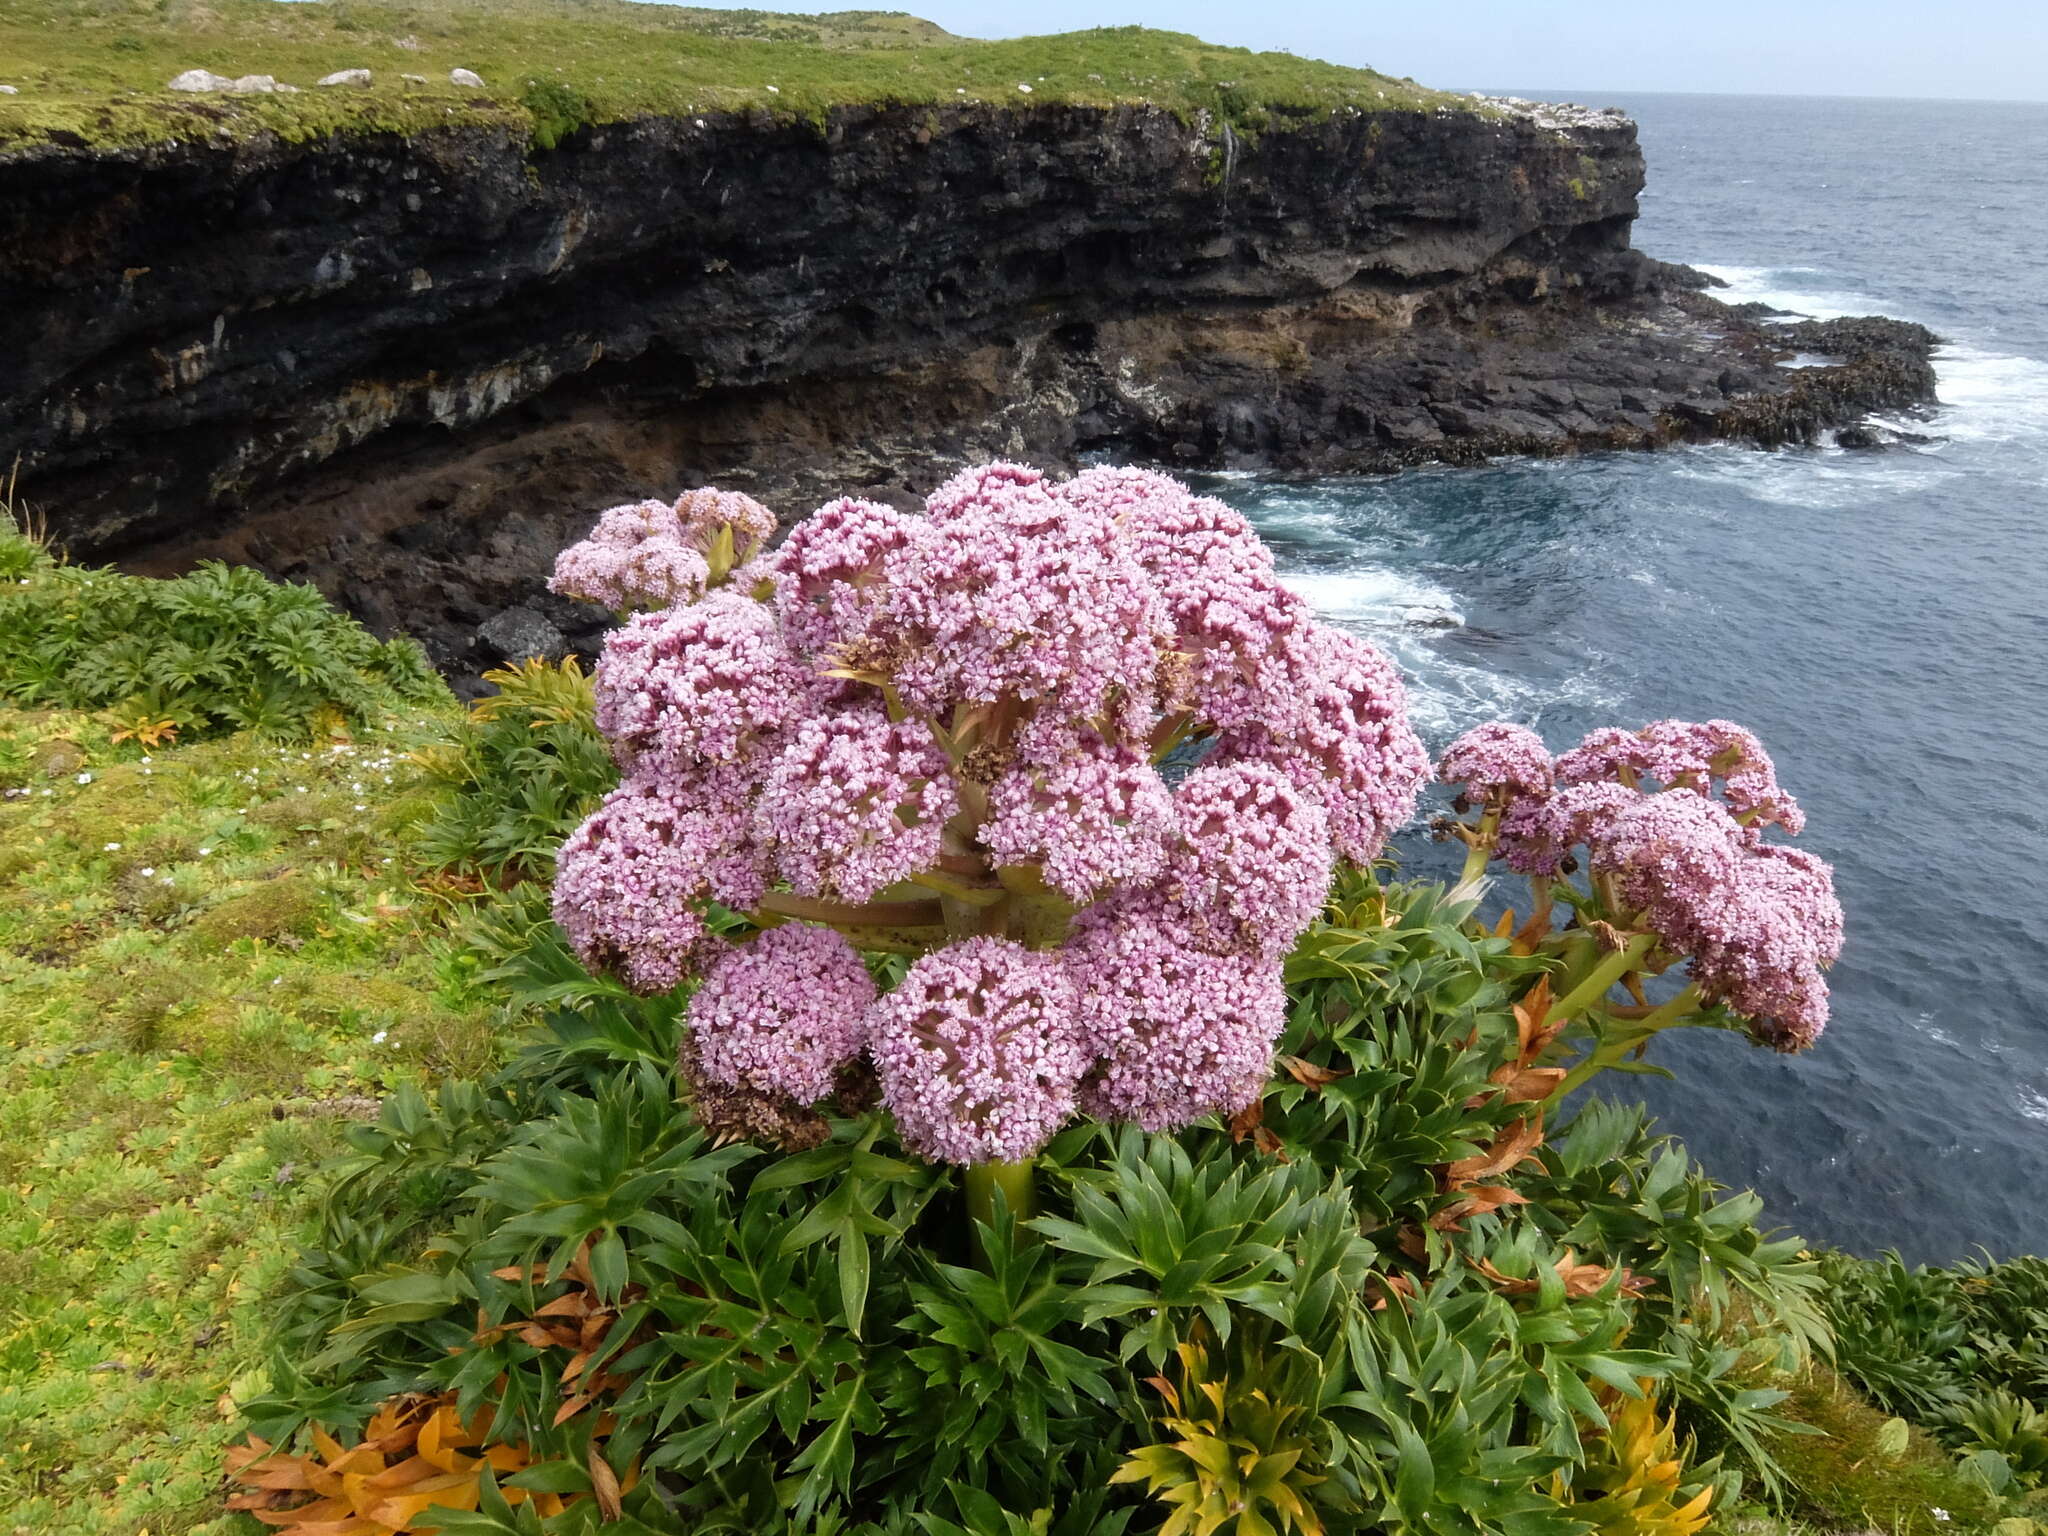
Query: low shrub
(824, 1341)
(221, 650)
(558, 110)
(521, 771)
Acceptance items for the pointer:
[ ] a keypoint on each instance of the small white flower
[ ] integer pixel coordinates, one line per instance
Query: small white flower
(148, 873)
(300, 790)
(166, 880)
(361, 807)
(1023, 87)
(204, 852)
(113, 847)
(774, 90)
(85, 778)
(147, 758)
(277, 981)
(1938, 1512)
(385, 860)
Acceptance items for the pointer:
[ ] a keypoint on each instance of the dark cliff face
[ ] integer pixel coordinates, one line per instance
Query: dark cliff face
(411, 369)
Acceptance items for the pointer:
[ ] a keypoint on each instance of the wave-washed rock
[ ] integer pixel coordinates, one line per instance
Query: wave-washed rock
(410, 369)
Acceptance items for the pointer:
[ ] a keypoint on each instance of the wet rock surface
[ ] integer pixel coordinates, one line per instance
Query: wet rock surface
(411, 370)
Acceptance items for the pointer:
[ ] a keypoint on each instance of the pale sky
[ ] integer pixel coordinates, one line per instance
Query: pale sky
(1984, 49)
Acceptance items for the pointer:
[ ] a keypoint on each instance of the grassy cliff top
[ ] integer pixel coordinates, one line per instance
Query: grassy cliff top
(96, 71)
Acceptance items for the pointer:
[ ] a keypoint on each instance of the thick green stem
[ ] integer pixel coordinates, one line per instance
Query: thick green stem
(982, 1180)
(1670, 1013)
(1612, 968)
(1634, 1038)
(1481, 847)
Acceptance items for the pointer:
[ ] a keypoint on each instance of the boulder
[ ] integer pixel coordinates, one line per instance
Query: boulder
(346, 77)
(8, 90)
(465, 77)
(201, 80)
(519, 632)
(253, 85)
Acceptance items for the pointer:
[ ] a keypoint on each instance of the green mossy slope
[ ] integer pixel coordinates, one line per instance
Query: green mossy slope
(213, 959)
(95, 71)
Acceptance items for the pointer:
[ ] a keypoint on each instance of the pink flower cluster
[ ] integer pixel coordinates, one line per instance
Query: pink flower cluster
(977, 1052)
(1498, 762)
(954, 721)
(784, 1013)
(650, 554)
(1671, 818)
(1176, 1031)
(855, 803)
(630, 882)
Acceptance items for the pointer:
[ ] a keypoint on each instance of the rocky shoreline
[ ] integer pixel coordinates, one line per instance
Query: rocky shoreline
(408, 370)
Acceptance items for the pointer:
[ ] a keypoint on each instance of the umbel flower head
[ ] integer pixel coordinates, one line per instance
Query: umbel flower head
(1671, 820)
(784, 1013)
(650, 554)
(939, 734)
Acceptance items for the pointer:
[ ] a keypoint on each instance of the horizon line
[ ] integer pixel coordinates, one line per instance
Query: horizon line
(1970, 101)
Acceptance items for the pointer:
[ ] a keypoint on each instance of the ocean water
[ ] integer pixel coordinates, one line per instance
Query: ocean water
(1879, 619)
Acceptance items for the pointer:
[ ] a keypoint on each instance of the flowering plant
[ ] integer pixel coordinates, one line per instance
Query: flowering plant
(939, 737)
(1670, 821)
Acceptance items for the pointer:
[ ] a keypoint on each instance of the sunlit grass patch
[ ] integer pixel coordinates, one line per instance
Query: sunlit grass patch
(95, 71)
(212, 959)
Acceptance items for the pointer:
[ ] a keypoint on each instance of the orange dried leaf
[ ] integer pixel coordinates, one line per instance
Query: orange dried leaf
(1528, 1085)
(604, 1483)
(1510, 1148)
(1479, 1200)
(1530, 1015)
(1247, 1120)
(1308, 1074)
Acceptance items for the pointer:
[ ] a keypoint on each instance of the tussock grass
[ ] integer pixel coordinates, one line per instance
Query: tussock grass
(94, 71)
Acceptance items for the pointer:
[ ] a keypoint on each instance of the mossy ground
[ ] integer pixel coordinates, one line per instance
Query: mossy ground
(212, 959)
(94, 71)
(1845, 1482)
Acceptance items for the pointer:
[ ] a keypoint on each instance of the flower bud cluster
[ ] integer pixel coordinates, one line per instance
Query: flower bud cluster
(1671, 818)
(939, 734)
(650, 554)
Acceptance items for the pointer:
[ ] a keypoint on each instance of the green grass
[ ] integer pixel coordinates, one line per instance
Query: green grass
(1843, 1481)
(212, 959)
(94, 71)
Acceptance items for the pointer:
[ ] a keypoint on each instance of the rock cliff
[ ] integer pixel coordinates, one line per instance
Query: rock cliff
(410, 368)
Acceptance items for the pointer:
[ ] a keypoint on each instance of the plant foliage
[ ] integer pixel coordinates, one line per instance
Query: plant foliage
(224, 649)
(520, 773)
(1311, 1319)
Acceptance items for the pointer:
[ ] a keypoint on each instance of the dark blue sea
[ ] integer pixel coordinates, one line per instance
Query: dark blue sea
(1880, 619)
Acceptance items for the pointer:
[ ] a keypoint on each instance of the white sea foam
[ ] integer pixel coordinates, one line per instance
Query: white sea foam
(1802, 290)
(1990, 396)
(1986, 395)
(2034, 1104)
(1373, 597)
(1408, 617)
